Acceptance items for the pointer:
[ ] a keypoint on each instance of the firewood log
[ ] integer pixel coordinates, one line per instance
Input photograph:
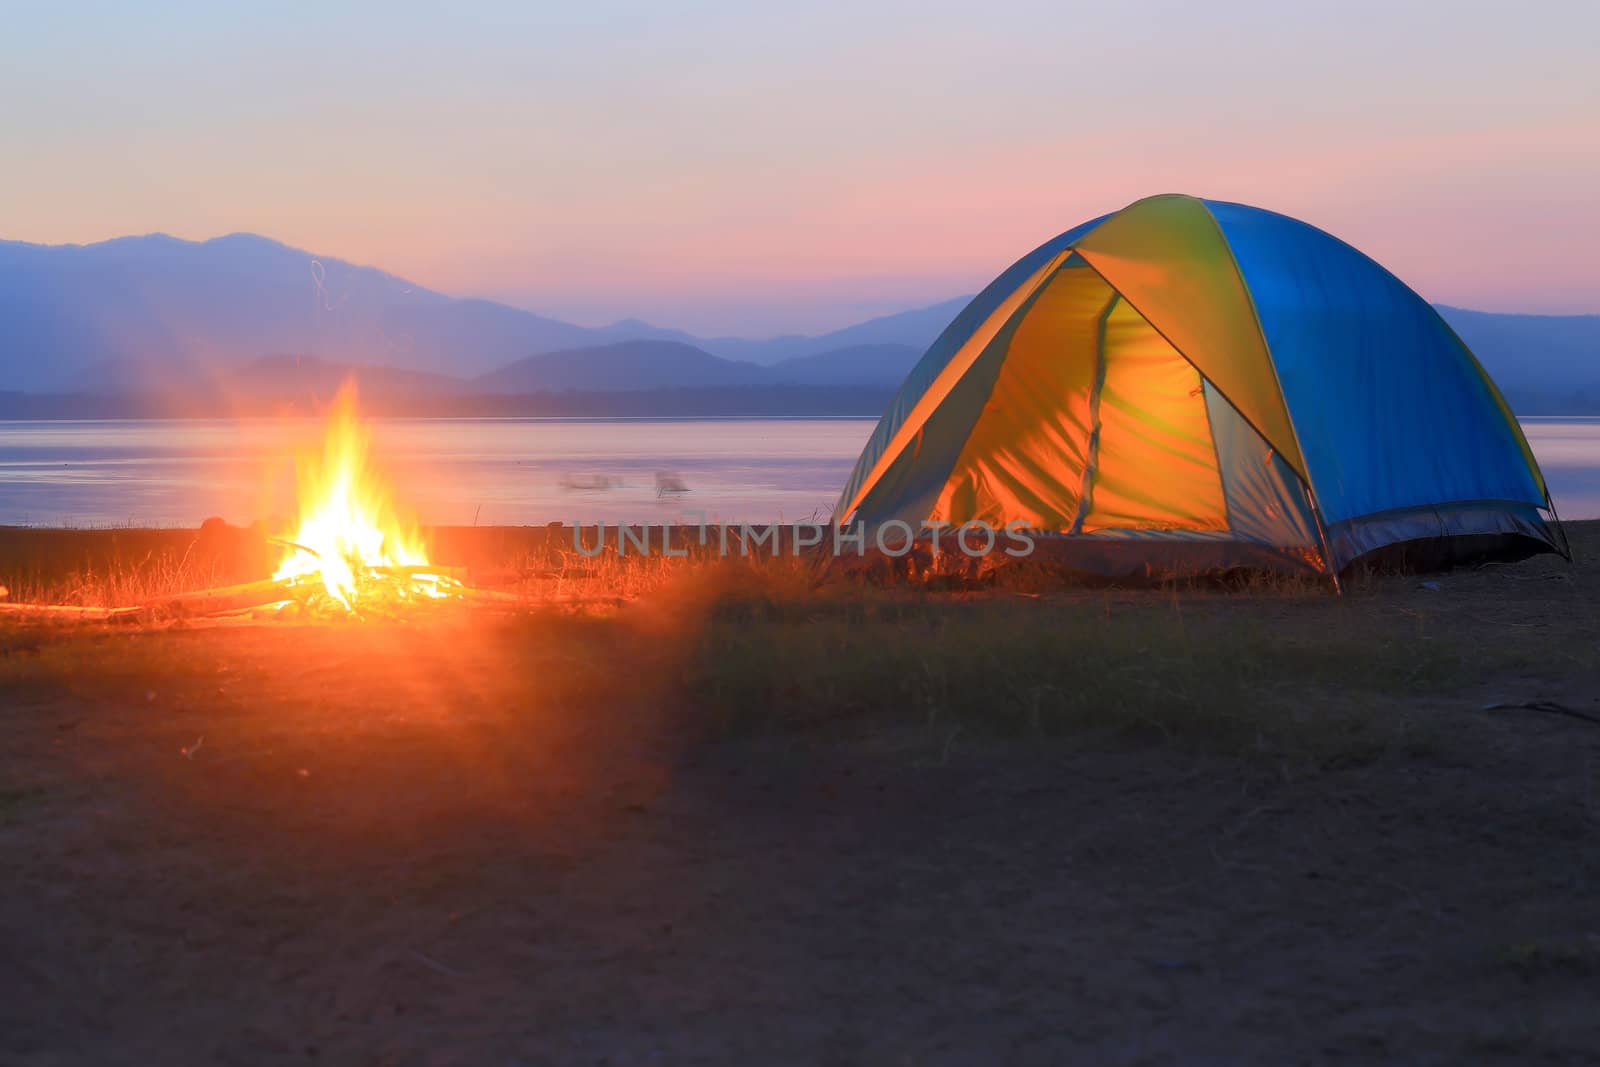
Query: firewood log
(223, 598)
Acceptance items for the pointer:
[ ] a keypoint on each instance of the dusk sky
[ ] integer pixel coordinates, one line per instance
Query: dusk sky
(737, 168)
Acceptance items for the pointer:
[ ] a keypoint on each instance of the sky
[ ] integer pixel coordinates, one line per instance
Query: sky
(759, 168)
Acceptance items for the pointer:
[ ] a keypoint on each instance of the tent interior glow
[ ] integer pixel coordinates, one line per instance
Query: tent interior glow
(1190, 383)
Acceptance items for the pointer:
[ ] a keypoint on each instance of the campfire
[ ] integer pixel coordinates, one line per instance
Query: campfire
(352, 552)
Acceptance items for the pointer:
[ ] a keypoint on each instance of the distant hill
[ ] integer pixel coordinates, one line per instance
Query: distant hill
(626, 365)
(197, 308)
(721, 401)
(626, 378)
(272, 384)
(916, 329)
(201, 322)
(884, 364)
(188, 310)
(307, 374)
(266, 377)
(1545, 364)
(636, 365)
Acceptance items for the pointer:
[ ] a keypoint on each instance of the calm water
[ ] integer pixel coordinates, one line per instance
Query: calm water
(450, 471)
(511, 471)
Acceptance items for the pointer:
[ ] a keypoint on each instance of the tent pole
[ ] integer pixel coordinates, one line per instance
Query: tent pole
(1327, 549)
(1561, 530)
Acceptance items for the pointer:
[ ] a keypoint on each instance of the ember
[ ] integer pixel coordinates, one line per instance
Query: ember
(351, 542)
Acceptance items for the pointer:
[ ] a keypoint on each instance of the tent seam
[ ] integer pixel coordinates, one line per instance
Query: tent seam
(1494, 390)
(1499, 502)
(885, 461)
(1012, 324)
(1171, 344)
(1216, 450)
(1091, 452)
(1499, 398)
(853, 490)
(1277, 381)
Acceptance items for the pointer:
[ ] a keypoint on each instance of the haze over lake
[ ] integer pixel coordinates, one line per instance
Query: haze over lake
(511, 471)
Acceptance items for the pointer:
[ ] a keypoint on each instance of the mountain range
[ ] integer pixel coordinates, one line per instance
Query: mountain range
(243, 316)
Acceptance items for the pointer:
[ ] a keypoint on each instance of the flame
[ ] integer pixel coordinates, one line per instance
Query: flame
(350, 536)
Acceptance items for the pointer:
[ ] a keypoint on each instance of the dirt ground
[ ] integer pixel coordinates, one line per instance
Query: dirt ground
(475, 840)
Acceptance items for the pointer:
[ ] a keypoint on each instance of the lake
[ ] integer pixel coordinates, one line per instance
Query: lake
(511, 471)
(449, 471)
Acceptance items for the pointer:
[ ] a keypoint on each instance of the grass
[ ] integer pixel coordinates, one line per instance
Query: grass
(1015, 670)
(1271, 668)
(1168, 670)
(111, 568)
(742, 661)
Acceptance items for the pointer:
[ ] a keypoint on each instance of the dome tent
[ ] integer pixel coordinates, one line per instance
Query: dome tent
(1190, 385)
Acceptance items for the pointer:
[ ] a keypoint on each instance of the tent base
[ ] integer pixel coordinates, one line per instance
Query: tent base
(1149, 560)
(1098, 560)
(1441, 554)
(1414, 540)
(1424, 539)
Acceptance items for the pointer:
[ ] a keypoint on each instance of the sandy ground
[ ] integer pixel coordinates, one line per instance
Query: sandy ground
(433, 844)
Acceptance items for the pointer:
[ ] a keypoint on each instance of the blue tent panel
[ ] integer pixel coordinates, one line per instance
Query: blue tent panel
(1390, 408)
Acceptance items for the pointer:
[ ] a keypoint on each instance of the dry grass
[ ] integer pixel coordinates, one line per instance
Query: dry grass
(118, 580)
(119, 568)
(1269, 667)
(1316, 679)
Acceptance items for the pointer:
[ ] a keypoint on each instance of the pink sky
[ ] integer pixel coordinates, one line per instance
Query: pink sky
(729, 168)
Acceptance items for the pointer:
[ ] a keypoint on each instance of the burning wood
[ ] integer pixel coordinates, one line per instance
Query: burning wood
(351, 539)
(71, 611)
(351, 553)
(222, 599)
(215, 601)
